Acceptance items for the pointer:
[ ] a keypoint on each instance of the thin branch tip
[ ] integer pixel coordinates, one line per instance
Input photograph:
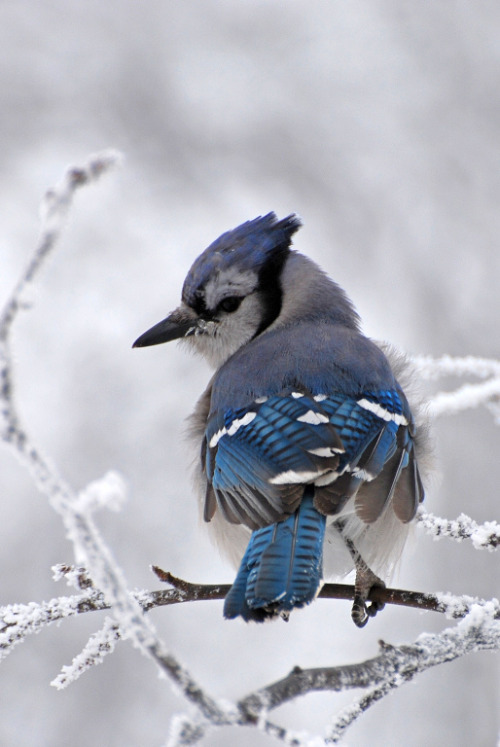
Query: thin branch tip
(164, 576)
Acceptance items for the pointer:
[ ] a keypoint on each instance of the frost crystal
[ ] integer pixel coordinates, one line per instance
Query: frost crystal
(97, 647)
(107, 492)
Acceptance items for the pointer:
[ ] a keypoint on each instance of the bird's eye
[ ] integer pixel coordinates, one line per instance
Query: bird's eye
(230, 303)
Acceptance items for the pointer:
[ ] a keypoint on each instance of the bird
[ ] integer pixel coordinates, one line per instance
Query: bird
(306, 442)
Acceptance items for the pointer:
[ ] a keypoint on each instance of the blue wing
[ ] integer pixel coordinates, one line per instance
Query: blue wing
(260, 458)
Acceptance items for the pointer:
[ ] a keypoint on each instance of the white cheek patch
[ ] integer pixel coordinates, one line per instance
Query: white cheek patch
(229, 333)
(381, 412)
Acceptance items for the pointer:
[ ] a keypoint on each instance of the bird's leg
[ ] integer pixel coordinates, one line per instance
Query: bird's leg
(365, 580)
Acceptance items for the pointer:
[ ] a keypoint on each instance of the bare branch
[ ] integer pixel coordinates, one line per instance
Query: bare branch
(189, 592)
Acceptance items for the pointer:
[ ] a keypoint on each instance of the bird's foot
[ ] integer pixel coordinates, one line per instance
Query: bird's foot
(366, 580)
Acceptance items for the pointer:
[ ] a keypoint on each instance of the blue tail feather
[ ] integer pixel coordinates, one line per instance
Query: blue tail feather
(281, 568)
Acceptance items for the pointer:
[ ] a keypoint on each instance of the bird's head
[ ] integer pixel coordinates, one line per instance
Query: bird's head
(232, 292)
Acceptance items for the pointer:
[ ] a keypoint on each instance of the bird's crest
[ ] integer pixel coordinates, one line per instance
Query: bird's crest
(248, 247)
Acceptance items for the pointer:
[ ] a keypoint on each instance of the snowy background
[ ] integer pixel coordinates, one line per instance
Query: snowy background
(379, 123)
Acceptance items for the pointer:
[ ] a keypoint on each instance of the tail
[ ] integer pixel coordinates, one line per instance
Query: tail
(282, 566)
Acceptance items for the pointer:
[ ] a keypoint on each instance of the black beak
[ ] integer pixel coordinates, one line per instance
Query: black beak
(178, 324)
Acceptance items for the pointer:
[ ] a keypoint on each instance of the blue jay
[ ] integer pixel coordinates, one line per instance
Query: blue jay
(307, 438)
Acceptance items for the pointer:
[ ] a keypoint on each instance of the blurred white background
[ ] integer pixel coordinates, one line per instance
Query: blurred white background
(379, 123)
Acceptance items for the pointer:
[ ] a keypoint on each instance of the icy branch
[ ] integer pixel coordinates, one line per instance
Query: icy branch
(464, 397)
(20, 620)
(396, 665)
(479, 630)
(483, 536)
(97, 647)
(393, 667)
(76, 509)
(435, 368)
(54, 210)
(17, 621)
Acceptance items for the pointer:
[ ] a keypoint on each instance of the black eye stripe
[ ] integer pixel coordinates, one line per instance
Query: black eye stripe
(229, 304)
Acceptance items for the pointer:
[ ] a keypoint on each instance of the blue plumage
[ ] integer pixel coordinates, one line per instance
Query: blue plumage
(281, 568)
(304, 419)
(331, 444)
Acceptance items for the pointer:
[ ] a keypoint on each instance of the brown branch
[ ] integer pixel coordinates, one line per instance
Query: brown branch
(189, 592)
(392, 667)
(21, 620)
(186, 591)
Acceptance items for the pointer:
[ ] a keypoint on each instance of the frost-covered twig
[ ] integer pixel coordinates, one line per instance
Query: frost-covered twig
(478, 631)
(395, 665)
(20, 620)
(351, 713)
(482, 536)
(434, 368)
(54, 211)
(76, 510)
(17, 621)
(464, 397)
(186, 731)
(97, 647)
